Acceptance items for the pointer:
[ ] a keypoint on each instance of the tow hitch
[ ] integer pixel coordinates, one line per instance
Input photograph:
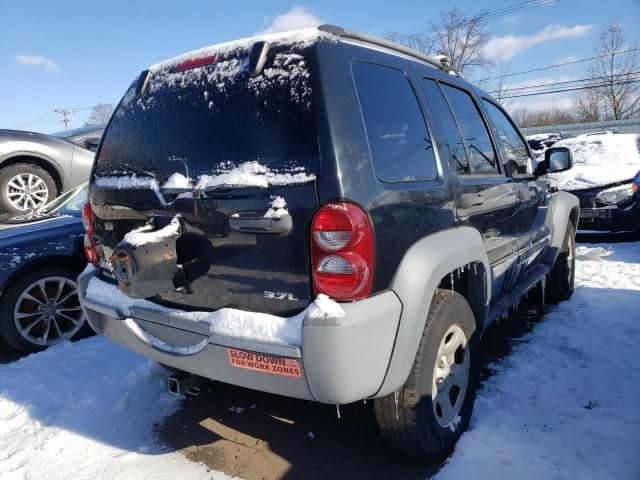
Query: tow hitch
(185, 383)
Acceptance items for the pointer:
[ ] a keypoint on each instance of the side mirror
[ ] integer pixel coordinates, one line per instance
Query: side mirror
(91, 144)
(557, 159)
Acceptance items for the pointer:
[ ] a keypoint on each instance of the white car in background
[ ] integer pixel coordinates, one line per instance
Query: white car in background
(606, 179)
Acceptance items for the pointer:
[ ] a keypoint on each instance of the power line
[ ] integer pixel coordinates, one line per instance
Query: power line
(620, 52)
(39, 119)
(491, 14)
(51, 116)
(566, 83)
(587, 87)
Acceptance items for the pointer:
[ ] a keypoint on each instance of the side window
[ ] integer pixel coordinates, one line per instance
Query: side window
(400, 143)
(518, 159)
(482, 157)
(458, 156)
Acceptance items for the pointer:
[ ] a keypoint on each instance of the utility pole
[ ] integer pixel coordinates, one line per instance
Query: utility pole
(66, 116)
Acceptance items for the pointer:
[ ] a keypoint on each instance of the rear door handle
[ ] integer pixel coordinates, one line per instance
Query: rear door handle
(276, 226)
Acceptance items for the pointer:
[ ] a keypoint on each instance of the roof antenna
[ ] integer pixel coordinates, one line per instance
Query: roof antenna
(258, 57)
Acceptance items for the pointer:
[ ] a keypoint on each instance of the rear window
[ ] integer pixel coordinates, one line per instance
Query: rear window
(212, 119)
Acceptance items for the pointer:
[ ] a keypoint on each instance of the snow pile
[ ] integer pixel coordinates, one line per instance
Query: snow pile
(177, 180)
(252, 174)
(146, 235)
(324, 308)
(593, 253)
(87, 410)
(277, 208)
(565, 404)
(600, 160)
(226, 322)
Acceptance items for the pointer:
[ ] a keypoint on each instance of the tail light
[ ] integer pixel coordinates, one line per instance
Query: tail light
(341, 252)
(90, 250)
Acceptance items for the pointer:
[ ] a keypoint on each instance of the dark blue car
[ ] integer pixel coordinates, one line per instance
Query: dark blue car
(41, 254)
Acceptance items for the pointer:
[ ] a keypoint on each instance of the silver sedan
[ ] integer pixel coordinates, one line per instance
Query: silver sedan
(36, 168)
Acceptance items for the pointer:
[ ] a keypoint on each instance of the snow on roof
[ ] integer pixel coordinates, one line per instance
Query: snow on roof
(300, 38)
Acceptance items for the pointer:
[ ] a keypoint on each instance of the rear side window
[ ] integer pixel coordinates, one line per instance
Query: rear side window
(482, 157)
(458, 156)
(513, 144)
(399, 141)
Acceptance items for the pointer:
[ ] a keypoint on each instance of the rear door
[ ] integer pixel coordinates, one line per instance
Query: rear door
(533, 232)
(486, 197)
(236, 157)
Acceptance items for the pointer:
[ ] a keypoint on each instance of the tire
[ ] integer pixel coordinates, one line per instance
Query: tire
(14, 302)
(561, 278)
(409, 419)
(17, 179)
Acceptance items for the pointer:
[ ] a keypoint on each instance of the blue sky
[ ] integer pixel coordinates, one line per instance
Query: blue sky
(69, 54)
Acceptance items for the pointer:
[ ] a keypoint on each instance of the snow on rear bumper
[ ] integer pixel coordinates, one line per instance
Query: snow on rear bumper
(341, 360)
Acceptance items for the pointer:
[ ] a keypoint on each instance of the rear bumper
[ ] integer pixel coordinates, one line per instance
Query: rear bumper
(341, 361)
(610, 219)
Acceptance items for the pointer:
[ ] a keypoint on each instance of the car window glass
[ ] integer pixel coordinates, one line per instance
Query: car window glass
(458, 156)
(400, 143)
(482, 157)
(518, 159)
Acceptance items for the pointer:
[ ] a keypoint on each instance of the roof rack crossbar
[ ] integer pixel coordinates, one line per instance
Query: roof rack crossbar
(441, 62)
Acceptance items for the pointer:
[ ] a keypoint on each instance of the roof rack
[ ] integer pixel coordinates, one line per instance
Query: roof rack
(441, 62)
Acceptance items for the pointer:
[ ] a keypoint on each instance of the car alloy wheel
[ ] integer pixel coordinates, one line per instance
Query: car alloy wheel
(48, 311)
(450, 376)
(27, 191)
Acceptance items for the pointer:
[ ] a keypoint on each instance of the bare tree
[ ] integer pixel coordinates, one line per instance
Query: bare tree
(617, 68)
(588, 106)
(501, 85)
(100, 114)
(421, 42)
(462, 38)
(456, 35)
(541, 118)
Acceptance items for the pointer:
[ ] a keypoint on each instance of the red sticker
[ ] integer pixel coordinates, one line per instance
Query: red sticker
(260, 362)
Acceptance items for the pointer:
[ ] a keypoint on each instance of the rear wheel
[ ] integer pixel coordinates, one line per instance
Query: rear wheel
(427, 416)
(561, 279)
(41, 309)
(25, 187)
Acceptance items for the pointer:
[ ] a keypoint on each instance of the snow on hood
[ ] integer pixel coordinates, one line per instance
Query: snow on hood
(600, 160)
(226, 322)
(300, 38)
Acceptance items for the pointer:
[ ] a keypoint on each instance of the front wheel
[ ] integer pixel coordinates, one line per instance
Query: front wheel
(427, 416)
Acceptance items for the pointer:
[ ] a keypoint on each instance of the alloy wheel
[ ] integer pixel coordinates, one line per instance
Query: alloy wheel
(27, 191)
(48, 311)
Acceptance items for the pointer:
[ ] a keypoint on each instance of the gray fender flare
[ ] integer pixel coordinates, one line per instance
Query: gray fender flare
(565, 208)
(420, 273)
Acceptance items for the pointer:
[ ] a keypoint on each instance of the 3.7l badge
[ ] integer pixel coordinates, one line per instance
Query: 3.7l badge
(279, 295)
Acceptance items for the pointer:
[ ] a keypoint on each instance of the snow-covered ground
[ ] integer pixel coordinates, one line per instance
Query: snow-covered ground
(564, 404)
(87, 411)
